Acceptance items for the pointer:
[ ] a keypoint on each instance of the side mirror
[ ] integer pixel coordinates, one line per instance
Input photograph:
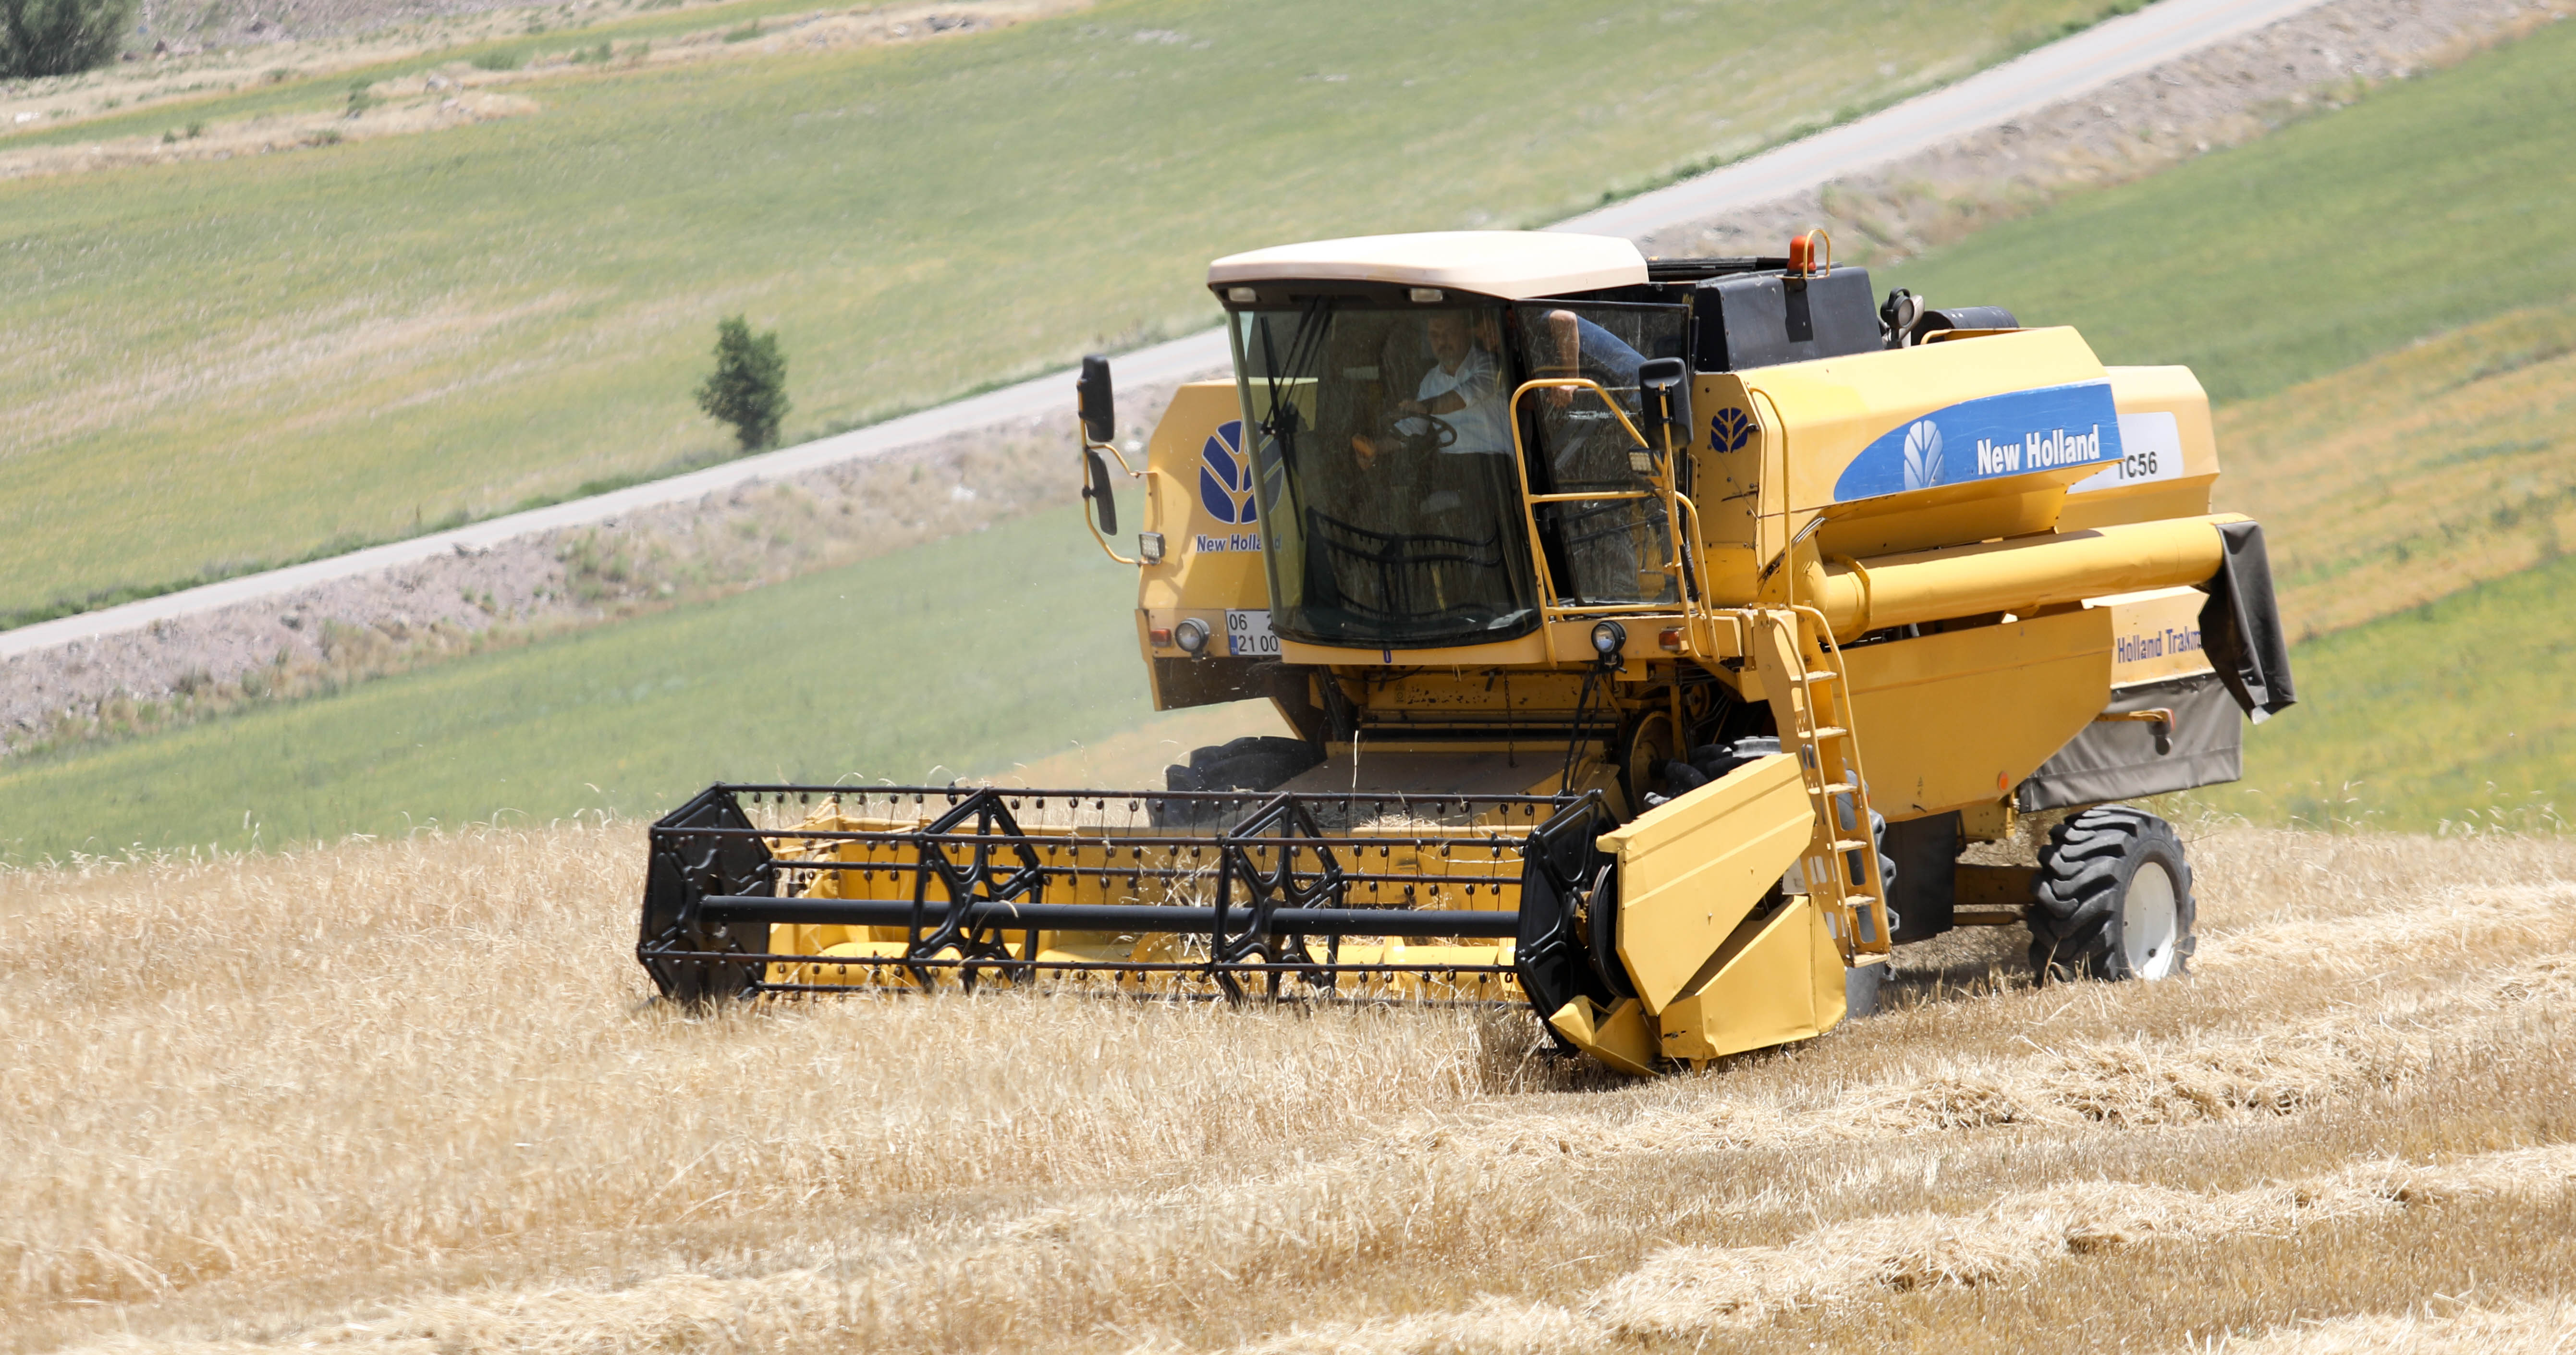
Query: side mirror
(1663, 387)
(1099, 406)
(1096, 488)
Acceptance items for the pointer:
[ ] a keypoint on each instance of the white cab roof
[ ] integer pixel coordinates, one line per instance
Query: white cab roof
(1507, 264)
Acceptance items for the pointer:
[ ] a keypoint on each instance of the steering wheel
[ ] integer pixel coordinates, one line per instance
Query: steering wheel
(1437, 435)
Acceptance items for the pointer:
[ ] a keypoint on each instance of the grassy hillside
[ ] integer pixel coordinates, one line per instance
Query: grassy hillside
(2384, 302)
(213, 363)
(2415, 474)
(2455, 711)
(2418, 507)
(963, 656)
(2428, 205)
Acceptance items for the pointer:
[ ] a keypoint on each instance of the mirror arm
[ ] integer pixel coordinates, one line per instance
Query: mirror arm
(1105, 548)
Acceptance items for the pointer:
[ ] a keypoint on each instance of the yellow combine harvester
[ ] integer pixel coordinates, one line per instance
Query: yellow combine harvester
(1587, 581)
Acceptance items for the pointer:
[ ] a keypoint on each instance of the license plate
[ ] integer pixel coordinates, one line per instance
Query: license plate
(1247, 634)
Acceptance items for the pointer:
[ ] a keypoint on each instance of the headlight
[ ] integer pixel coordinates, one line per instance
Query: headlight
(1608, 638)
(1191, 635)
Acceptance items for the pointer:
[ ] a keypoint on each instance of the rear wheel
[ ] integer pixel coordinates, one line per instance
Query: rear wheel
(2113, 899)
(1251, 763)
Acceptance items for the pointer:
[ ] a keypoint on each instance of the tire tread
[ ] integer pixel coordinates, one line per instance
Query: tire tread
(2075, 900)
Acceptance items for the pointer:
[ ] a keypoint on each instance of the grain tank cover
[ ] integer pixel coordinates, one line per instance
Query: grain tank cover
(1512, 265)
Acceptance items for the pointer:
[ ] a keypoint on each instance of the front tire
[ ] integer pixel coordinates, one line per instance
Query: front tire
(2113, 899)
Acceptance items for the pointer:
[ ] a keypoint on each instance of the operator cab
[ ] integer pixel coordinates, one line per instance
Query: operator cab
(1391, 461)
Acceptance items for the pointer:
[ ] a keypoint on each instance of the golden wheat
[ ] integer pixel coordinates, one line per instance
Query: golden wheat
(2537, 1328)
(411, 1095)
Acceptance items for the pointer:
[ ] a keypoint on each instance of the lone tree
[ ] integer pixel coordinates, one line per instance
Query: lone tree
(748, 388)
(59, 37)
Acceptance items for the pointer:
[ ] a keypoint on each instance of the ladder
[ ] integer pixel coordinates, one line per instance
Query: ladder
(1841, 860)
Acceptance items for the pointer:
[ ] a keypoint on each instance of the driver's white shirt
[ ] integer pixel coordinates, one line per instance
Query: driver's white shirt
(1482, 426)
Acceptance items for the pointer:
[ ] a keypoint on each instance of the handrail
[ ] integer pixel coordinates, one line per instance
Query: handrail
(1665, 490)
(1570, 383)
(1698, 563)
(1604, 496)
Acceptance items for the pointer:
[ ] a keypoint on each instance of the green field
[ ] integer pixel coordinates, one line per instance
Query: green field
(1026, 646)
(959, 657)
(209, 364)
(2455, 711)
(2429, 205)
(2382, 296)
(2401, 480)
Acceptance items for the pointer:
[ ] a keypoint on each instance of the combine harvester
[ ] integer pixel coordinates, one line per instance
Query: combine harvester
(1586, 579)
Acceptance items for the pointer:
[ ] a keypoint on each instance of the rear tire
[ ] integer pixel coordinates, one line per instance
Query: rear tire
(1254, 762)
(2112, 900)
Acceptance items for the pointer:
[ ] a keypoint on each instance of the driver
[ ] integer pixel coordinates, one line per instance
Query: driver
(1463, 389)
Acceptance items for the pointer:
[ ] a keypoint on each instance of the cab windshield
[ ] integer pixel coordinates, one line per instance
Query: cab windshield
(1383, 464)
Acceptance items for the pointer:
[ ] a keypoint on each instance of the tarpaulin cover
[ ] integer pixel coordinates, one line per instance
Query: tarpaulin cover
(2241, 625)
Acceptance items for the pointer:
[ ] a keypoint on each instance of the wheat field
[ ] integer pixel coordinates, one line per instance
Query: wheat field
(410, 1096)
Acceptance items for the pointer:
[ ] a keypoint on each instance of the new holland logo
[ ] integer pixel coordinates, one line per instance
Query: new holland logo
(2043, 428)
(1225, 482)
(1923, 455)
(1729, 429)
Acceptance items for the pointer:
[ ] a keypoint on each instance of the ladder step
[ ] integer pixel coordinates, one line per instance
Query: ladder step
(1829, 732)
(1849, 844)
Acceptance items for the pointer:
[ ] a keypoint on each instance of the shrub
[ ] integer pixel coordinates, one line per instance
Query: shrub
(498, 59)
(59, 37)
(748, 388)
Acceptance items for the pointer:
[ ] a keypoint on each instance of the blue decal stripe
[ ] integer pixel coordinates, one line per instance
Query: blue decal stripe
(1990, 437)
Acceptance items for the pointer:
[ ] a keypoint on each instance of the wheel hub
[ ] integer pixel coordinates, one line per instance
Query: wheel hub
(2149, 922)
